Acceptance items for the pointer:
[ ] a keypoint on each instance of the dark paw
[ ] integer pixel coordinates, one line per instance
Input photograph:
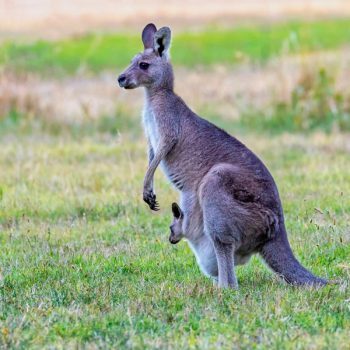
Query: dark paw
(150, 198)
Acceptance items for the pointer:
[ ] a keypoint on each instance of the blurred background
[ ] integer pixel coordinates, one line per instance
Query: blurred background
(271, 65)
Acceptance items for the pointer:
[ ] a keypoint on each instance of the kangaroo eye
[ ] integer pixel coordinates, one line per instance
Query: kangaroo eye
(143, 65)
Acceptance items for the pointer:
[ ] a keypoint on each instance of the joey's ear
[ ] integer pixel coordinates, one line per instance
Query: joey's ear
(162, 41)
(148, 35)
(177, 212)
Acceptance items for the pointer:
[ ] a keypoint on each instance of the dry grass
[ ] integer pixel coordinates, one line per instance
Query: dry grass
(221, 90)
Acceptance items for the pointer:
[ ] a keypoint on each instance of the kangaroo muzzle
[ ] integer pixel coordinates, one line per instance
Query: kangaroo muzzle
(173, 240)
(125, 82)
(122, 80)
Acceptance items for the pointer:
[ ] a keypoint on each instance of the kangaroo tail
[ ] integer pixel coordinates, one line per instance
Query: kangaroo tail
(279, 256)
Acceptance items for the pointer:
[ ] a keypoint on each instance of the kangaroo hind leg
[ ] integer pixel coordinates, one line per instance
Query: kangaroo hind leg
(219, 212)
(224, 255)
(217, 227)
(228, 221)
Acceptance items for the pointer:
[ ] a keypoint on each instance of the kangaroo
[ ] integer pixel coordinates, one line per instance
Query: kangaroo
(227, 194)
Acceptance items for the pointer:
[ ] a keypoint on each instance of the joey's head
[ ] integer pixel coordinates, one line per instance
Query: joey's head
(150, 68)
(176, 232)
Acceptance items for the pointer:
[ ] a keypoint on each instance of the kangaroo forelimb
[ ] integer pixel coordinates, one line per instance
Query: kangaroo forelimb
(148, 193)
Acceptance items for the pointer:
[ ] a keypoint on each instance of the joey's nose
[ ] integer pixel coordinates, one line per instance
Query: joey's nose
(121, 79)
(173, 240)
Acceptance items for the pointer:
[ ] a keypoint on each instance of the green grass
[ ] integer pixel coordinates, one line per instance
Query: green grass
(84, 263)
(256, 43)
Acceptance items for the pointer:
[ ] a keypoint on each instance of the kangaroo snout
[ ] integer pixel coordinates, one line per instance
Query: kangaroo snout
(173, 240)
(127, 81)
(122, 80)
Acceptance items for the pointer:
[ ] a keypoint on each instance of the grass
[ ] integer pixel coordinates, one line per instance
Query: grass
(256, 43)
(314, 104)
(16, 122)
(84, 263)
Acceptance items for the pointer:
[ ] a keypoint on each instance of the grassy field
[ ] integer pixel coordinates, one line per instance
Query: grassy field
(85, 264)
(255, 43)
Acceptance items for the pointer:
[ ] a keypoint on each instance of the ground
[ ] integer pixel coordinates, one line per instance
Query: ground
(83, 261)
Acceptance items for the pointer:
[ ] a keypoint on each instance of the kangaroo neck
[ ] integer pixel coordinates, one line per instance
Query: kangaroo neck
(156, 94)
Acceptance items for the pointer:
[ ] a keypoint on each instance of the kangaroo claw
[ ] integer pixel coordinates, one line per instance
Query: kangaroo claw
(150, 198)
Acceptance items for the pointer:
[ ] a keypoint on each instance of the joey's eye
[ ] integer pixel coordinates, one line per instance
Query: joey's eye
(143, 65)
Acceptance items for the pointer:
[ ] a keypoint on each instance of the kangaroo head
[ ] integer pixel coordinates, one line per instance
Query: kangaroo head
(150, 68)
(176, 232)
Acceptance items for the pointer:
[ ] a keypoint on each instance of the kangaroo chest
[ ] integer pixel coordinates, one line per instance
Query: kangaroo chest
(151, 127)
(153, 134)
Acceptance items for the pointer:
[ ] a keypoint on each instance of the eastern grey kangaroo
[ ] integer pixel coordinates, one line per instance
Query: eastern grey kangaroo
(229, 199)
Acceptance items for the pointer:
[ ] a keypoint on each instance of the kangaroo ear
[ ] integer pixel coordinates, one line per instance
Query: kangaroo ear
(162, 41)
(177, 212)
(148, 35)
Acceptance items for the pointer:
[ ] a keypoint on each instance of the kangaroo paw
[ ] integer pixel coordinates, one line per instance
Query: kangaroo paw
(150, 198)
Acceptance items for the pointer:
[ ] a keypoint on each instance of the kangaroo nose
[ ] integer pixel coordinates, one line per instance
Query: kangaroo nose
(121, 79)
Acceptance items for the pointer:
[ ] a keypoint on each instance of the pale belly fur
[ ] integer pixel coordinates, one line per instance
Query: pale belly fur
(206, 258)
(151, 129)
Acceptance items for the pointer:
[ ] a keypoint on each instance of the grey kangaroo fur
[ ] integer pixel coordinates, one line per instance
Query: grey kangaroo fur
(230, 206)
